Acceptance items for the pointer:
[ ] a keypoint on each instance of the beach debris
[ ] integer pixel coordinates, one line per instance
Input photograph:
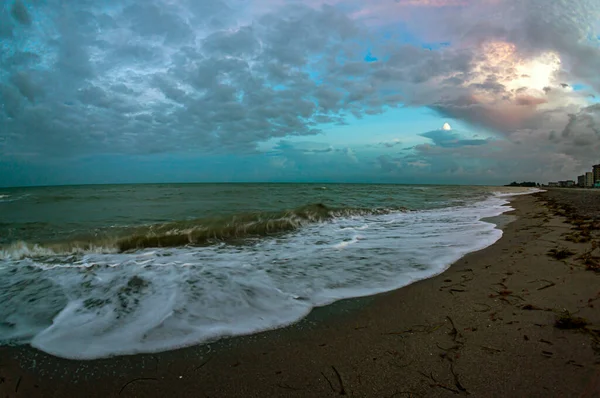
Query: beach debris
(454, 332)
(593, 267)
(451, 288)
(547, 354)
(434, 383)
(288, 387)
(592, 299)
(572, 362)
(578, 237)
(342, 390)
(590, 260)
(457, 382)
(491, 349)
(328, 381)
(531, 307)
(546, 342)
(202, 364)
(567, 321)
(453, 348)
(560, 254)
(339, 377)
(136, 380)
(18, 384)
(504, 294)
(595, 335)
(549, 284)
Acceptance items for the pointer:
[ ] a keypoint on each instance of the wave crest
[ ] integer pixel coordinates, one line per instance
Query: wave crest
(207, 231)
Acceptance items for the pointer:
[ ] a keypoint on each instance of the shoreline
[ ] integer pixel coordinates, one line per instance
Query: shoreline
(464, 330)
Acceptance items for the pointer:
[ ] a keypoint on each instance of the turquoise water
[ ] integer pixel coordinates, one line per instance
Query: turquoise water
(95, 271)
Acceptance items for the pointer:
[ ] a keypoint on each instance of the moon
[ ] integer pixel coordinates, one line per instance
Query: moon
(446, 127)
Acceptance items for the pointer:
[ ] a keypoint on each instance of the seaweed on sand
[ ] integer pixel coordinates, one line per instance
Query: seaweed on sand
(560, 254)
(590, 261)
(567, 321)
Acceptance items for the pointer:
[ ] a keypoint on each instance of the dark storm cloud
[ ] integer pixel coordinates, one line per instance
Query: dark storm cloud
(147, 74)
(20, 13)
(24, 83)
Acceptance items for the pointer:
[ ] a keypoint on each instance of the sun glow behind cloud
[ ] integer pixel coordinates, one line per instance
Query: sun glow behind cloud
(501, 64)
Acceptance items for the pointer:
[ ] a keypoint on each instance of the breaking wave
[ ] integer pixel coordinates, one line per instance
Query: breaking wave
(200, 232)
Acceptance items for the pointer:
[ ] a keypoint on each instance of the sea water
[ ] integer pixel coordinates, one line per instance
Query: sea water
(95, 271)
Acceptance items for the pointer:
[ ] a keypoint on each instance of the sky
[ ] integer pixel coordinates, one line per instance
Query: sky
(383, 91)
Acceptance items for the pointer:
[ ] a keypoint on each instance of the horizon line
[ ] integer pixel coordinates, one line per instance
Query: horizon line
(244, 183)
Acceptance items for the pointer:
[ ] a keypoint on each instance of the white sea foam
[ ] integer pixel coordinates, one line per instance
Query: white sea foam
(103, 304)
(19, 250)
(5, 198)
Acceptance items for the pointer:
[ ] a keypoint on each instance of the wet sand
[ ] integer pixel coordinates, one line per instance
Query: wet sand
(487, 327)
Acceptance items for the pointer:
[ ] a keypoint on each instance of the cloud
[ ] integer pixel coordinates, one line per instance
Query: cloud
(220, 77)
(586, 123)
(136, 75)
(20, 13)
(350, 154)
(391, 144)
(385, 144)
(449, 139)
(305, 147)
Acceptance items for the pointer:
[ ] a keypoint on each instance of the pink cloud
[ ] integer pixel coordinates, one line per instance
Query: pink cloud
(529, 100)
(432, 3)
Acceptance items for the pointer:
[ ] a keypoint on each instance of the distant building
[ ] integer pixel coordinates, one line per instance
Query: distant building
(589, 179)
(566, 184)
(596, 172)
(553, 184)
(581, 181)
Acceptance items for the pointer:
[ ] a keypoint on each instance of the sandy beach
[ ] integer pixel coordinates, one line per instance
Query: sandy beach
(520, 318)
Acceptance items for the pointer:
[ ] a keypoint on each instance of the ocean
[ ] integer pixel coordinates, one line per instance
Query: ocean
(96, 271)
